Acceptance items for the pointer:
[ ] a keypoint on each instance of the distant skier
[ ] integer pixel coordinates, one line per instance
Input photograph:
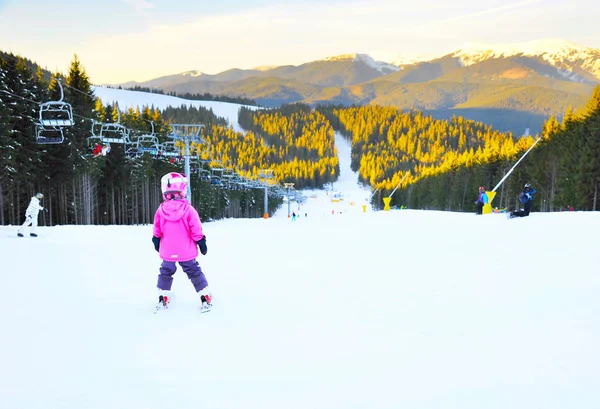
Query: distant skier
(97, 150)
(100, 150)
(293, 216)
(526, 198)
(482, 199)
(177, 234)
(31, 215)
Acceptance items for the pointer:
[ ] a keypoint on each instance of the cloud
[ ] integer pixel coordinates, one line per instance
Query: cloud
(292, 33)
(140, 6)
(492, 10)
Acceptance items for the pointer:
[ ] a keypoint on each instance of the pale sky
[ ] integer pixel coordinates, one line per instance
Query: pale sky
(123, 40)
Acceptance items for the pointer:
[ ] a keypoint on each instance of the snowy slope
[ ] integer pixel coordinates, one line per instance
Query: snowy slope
(400, 309)
(133, 99)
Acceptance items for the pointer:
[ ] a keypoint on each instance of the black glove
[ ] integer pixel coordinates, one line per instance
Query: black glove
(156, 241)
(202, 244)
(46, 210)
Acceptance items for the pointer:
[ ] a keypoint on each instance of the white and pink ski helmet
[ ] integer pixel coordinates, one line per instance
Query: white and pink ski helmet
(174, 185)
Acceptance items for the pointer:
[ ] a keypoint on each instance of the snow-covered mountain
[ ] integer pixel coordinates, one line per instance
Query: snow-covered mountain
(382, 67)
(571, 60)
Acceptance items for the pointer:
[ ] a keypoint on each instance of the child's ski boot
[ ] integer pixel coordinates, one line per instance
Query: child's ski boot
(206, 299)
(163, 303)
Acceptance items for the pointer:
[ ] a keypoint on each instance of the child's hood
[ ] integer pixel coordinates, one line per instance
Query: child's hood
(173, 210)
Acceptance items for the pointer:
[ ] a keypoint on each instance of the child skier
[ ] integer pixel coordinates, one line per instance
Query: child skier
(31, 215)
(177, 234)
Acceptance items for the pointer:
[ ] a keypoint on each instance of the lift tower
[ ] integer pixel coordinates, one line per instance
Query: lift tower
(187, 133)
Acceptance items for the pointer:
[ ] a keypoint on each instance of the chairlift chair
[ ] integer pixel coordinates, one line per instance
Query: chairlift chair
(95, 139)
(147, 144)
(53, 117)
(168, 149)
(204, 175)
(45, 135)
(114, 133)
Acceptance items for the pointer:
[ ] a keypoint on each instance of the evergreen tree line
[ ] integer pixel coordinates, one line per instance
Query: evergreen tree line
(81, 189)
(301, 141)
(445, 161)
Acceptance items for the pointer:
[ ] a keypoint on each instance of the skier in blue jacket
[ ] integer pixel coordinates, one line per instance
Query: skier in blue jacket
(525, 197)
(482, 200)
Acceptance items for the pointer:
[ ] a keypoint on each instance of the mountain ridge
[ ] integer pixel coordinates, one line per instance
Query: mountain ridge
(538, 79)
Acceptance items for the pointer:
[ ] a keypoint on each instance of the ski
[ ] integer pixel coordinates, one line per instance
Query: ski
(163, 304)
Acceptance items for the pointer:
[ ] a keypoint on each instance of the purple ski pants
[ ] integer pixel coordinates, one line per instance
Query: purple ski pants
(191, 268)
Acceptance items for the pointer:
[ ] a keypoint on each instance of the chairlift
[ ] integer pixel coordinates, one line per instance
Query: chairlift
(93, 140)
(147, 143)
(168, 149)
(49, 135)
(217, 172)
(204, 175)
(53, 117)
(194, 164)
(114, 132)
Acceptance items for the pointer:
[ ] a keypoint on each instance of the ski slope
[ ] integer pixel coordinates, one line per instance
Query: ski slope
(137, 99)
(374, 310)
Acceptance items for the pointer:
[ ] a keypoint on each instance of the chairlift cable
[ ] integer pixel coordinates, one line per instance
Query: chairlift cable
(58, 79)
(74, 114)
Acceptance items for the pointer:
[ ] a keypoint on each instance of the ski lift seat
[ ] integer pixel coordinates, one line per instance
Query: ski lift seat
(114, 140)
(47, 136)
(56, 122)
(47, 140)
(153, 151)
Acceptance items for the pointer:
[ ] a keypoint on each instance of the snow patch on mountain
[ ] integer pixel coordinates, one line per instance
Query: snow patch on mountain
(403, 60)
(193, 73)
(264, 67)
(383, 67)
(567, 57)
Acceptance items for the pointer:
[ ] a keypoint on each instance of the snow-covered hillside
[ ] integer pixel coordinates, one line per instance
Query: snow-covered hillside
(339, 309)
(131, 99)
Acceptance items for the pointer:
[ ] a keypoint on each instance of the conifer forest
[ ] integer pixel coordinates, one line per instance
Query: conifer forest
(428, 163)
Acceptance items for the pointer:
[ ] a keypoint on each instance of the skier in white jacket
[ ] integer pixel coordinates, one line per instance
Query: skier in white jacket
(31, 215)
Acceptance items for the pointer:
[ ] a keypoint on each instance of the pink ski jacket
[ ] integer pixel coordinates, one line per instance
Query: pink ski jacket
(178, 226)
